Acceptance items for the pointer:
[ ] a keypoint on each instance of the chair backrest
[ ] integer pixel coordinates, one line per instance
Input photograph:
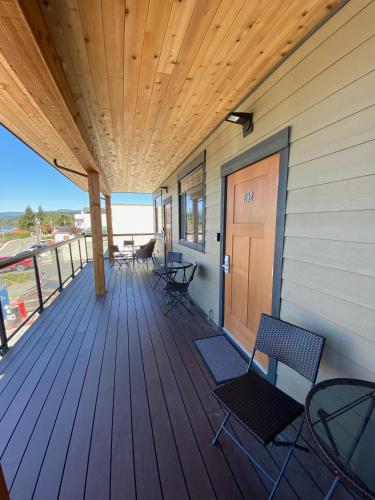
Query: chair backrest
(296, 347)
(114, 248)
(174, 257)
(191, 277)
(128, 243)
(148, 248)
(151, 244)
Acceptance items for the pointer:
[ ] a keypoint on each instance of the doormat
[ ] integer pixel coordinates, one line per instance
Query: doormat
(222, 358)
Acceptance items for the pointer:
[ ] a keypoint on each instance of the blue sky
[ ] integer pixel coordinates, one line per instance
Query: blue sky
(26, 179)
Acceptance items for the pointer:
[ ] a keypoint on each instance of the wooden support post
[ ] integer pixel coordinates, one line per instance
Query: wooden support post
(4, 495)
(108, 211)
(96, 230)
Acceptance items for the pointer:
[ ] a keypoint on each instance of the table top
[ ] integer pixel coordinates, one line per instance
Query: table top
(340, 414)
(179, 265)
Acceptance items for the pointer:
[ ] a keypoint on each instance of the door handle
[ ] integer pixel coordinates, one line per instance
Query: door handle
(226, 265)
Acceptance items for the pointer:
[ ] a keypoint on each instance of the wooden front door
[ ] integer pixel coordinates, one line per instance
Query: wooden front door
(168, 226)
(250, 249)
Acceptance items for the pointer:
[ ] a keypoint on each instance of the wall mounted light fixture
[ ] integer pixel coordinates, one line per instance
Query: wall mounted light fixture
(244, 119)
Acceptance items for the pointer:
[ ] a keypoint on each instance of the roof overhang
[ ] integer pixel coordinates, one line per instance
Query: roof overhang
(131, 88)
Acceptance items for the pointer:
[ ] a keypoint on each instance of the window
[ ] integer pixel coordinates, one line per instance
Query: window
(192, 208)
(158, 216)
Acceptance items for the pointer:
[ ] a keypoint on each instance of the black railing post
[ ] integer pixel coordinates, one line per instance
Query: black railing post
(87, 254)
(71, 259)
(58, 268)
(80, 254)
(38, 286)
(3, 333)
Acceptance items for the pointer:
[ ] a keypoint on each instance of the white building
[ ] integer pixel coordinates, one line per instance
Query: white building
(63, 233)
(127, 219)
(82, 221)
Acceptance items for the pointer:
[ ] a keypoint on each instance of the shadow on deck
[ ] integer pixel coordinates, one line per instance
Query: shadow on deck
(106, 398)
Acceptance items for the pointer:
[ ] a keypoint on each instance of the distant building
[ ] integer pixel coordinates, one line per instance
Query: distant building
(63, 233)
(126, 219)
(82, 221)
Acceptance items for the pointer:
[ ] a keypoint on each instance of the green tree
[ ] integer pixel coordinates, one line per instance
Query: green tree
(41, 215)
(27, 220)
(61, 219)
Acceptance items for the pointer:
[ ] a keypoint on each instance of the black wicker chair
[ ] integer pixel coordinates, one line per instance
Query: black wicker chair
(263, 409)
(165, 273)
(177, 291)
(146, 252)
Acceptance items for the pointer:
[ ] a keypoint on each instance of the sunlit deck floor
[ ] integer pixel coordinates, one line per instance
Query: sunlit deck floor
(107, 398)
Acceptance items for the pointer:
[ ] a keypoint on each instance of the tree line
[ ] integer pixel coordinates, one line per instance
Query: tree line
(47, 220)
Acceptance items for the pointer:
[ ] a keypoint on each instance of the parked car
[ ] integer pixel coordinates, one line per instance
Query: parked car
(27, 263)
(37, 246)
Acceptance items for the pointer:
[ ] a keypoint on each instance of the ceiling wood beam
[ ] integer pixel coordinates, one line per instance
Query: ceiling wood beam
(30, 58)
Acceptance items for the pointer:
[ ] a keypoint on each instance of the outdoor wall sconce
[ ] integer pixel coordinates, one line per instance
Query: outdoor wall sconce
(244, 119)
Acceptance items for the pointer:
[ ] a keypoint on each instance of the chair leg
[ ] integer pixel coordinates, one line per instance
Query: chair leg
(217, 435)
(159, 278)
(282, 470)
(179, 300)
(171, 305)
(332, 488)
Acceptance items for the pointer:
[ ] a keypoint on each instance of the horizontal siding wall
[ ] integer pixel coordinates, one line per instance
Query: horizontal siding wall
(325, 92)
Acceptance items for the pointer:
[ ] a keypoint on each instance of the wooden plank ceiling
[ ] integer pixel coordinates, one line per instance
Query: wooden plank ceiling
(148, 79)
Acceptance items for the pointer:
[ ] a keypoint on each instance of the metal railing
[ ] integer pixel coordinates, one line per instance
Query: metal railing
(134, 236)
(61, 260)
(137, 238)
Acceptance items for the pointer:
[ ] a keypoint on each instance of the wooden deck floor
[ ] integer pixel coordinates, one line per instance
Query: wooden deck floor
(107, 398)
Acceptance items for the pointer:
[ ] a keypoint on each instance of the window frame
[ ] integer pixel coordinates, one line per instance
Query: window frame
(157, 206)
(198, 162)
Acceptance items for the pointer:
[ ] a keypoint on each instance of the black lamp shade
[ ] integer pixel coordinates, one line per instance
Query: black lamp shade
(244, 119)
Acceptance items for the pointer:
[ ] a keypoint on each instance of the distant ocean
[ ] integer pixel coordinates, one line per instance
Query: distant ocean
(6, 229)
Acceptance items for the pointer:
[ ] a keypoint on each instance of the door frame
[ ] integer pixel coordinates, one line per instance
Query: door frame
(277, 143)
(166, 201)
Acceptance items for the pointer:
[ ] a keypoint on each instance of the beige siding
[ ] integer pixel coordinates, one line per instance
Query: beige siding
(325, 93)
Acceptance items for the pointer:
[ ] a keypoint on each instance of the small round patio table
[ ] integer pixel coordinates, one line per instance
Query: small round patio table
(340, 414)
(179, 266)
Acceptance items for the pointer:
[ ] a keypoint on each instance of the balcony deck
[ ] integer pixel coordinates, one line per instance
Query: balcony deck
(104, 397)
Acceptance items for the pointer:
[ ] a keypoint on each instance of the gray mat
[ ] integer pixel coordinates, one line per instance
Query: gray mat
(221, 357)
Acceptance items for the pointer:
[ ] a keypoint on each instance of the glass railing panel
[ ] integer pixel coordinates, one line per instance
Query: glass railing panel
(81, 243)
(105, 246)
(48, 273)
(89, 246)
(65, 263)
(20, 301)
(19, 295)
(75, 255)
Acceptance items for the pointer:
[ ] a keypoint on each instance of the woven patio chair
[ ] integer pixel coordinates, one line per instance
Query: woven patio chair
(163, 272)
(146, 252)
(263, 409)
(177, 291)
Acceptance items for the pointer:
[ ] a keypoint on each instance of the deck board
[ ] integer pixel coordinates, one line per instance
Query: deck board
(105, 397)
